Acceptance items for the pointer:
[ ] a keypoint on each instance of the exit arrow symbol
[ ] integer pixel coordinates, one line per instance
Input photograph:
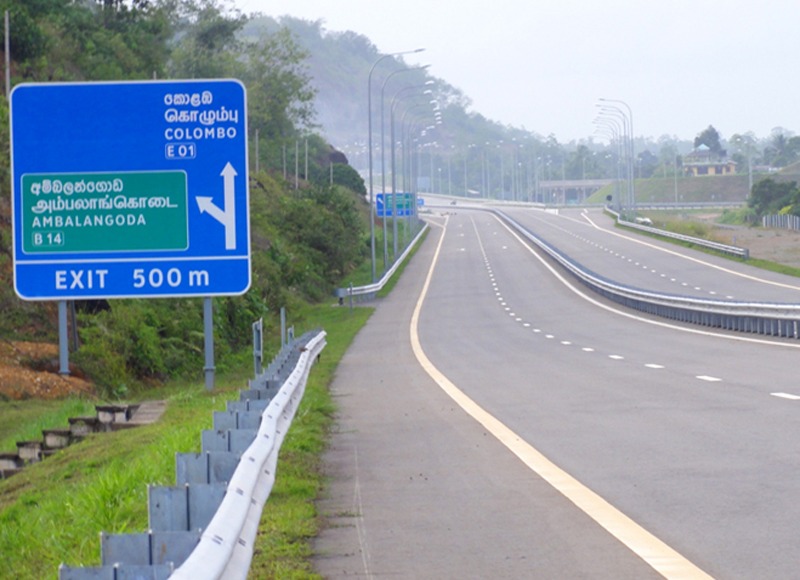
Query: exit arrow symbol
(227, 216)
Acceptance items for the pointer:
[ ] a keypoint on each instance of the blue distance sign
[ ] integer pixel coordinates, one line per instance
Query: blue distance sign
(130, 189)
(385, 204)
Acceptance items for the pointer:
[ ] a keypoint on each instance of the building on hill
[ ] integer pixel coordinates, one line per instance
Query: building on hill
(703, 161)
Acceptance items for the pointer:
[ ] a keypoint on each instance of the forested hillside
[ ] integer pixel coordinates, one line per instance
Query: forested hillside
(306, 234)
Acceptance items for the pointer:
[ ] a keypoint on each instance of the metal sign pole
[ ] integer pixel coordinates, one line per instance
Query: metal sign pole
(63, 343)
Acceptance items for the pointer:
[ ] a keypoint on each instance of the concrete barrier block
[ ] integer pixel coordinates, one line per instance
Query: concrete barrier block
(10, 461)
(30, 451)
(57, 438)
(82, 426)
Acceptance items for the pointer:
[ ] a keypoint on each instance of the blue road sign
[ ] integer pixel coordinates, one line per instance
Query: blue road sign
(130, 189)
(385, 205)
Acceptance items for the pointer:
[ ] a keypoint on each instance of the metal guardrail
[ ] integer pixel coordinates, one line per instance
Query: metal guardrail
(673, 205)
(368, 292)
(207, 523)
(226, 545)
(767, 318)
(743, 253)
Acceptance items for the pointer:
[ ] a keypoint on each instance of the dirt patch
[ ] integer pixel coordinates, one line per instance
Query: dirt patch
(781, 246)
(30, 370)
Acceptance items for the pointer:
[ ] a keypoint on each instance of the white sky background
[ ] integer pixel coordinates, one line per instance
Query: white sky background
(542, 64)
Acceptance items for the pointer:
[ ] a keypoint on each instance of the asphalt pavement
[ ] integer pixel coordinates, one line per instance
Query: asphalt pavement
(418, 489)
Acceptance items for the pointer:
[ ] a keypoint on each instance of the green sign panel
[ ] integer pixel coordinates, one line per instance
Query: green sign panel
(104, 212)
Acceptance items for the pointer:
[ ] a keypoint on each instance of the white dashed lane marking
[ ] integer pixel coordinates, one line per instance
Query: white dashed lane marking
(786, 396)
(588, 349)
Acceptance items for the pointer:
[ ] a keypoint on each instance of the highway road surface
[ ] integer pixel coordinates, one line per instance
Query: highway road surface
(498, 421)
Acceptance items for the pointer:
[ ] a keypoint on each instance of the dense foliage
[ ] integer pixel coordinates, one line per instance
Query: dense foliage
(308, 226)
(775, 197)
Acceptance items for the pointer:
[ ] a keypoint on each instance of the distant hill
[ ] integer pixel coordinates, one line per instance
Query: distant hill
(339, 65)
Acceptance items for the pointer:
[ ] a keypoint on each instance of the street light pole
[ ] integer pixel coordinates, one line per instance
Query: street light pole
(369, 140)
(392, 149)
(610, 127)
(631, 146)
(616, 113)
(383, 166)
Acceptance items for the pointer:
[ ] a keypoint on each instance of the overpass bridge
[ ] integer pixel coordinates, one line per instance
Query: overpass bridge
(565, 191)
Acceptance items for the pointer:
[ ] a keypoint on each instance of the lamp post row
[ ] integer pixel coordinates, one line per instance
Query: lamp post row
(626, 117)
(370, 154)
(369, 150)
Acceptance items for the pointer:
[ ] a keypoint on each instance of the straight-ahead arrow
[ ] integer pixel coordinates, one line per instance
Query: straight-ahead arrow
(227, 216)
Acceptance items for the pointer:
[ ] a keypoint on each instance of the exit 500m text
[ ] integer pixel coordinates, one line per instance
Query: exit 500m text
(153, 278)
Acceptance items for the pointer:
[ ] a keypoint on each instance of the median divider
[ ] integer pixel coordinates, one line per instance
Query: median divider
(766, 318)
(205, 526)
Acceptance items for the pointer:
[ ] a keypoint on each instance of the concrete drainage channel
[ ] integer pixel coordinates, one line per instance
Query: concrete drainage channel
(107, 418)
(209, 519)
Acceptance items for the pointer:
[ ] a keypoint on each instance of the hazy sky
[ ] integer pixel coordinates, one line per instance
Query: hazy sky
(542, 64)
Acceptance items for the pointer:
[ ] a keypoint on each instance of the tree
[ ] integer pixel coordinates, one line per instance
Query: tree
(280, 95)
(746, 151)
(782, 149)
(208, 47)
(64, 40)
(772, 197)
(646, 164)
(711, 139)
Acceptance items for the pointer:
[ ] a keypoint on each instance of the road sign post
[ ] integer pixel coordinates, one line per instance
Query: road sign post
(130, 189)
(394, 205)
